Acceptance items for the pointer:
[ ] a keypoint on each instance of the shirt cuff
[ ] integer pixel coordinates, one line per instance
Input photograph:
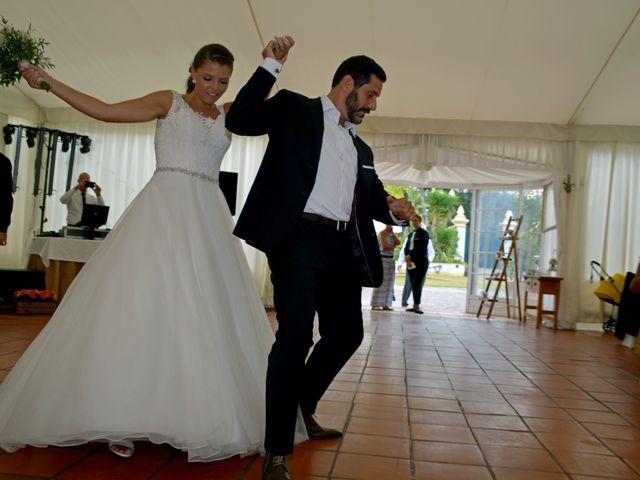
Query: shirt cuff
(272, 66)
(395, 219)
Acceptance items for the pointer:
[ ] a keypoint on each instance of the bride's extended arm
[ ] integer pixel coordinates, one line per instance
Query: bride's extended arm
(143, 109)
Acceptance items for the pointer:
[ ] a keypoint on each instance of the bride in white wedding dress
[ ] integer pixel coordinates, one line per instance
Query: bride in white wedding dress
(162, 336)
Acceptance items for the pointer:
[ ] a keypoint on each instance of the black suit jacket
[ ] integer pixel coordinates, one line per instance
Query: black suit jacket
(419, 253)
(287, 174)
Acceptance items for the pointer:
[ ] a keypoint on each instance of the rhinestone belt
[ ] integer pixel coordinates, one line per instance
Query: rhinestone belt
(199, 175)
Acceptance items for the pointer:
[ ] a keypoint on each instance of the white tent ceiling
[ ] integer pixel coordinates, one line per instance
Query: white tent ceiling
(552, 61)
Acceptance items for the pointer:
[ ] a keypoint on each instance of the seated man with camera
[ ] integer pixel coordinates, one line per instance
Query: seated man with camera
(76, 198)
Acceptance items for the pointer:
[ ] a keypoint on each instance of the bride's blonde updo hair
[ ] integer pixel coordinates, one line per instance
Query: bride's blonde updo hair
(214, 53)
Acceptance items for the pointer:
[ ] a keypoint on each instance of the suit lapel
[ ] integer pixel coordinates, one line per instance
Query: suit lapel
(359, 154)
(317, 117)
(363, 181)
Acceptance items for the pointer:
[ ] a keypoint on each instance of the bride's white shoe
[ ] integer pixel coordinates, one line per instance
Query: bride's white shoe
(122, 448)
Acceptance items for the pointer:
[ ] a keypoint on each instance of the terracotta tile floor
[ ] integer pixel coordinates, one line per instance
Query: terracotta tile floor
(426, 397)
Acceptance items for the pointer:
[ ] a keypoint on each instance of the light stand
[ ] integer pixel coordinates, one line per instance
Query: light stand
(46, 138)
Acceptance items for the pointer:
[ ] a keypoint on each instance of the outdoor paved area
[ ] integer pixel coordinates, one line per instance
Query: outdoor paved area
(435, 300)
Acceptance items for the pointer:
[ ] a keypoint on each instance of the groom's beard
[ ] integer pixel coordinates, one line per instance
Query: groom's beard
(355, 113)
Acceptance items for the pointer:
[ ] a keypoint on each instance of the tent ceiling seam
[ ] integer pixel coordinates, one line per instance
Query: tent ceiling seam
(258, 31)
(604, 66)
(255, 22)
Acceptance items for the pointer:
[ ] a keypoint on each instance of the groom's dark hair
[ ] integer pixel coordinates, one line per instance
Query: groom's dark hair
(360, 68)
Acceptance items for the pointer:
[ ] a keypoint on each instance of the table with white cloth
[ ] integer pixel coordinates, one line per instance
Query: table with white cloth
(61, 259)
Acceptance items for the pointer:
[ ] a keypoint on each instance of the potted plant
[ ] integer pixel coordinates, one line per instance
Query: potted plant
(35, 301)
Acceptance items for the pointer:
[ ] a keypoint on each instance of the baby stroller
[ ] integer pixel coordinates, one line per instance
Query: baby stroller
(609, 290)
(616, 291)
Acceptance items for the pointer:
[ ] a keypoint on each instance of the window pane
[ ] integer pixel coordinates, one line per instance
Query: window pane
(549, 214)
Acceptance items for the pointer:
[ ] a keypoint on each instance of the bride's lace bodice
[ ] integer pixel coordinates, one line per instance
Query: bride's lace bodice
(187, 141)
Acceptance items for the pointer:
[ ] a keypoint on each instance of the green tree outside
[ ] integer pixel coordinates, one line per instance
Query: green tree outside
(442, 207)
(437, 208)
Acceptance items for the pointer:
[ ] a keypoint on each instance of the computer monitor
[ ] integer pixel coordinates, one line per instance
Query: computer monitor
(94, 216)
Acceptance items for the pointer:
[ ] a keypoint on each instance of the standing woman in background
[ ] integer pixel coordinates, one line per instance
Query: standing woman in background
(382, 296)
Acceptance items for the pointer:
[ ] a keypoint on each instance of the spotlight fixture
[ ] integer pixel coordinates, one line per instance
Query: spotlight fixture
(31, 133)
(31, 137)
(66, 140)
(86, 144)
(8, 131)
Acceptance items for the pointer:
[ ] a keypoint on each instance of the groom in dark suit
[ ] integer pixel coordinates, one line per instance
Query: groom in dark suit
(310, 209)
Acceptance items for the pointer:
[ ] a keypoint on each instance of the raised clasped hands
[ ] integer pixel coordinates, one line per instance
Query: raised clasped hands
(401, 207)
(36, 77)
(278, 48)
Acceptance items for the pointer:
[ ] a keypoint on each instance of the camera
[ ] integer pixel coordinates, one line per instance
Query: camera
(89, 184)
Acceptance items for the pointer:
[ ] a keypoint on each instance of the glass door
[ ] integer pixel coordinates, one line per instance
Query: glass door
(491, 211)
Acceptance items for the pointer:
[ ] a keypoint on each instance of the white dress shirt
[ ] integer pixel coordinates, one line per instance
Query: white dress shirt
(431, 253)
(73, 200)
(332, 193)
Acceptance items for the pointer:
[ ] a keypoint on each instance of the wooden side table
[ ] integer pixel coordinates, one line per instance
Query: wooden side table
(542, 285)
(61, 259)
(58, 276)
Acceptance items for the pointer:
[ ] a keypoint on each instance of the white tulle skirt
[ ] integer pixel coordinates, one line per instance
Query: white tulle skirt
(162, 337)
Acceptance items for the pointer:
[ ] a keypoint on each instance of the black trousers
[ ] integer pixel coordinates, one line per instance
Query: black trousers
(417, 276)
(314, 271)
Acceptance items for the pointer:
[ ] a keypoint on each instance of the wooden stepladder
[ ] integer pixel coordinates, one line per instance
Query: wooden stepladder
(507, 251)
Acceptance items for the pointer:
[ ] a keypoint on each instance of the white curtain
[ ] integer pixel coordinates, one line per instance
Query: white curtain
(452, 161)
(605, 221)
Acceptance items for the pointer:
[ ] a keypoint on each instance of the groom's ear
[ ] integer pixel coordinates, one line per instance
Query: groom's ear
(347, 84)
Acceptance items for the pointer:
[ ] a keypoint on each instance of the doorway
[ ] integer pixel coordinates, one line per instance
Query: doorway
(491, 210)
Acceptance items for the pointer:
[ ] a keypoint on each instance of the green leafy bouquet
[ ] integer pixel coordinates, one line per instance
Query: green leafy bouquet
(19, 46)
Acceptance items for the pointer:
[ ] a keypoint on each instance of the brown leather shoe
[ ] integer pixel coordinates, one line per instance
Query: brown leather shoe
(316, 432)
(275, 468)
